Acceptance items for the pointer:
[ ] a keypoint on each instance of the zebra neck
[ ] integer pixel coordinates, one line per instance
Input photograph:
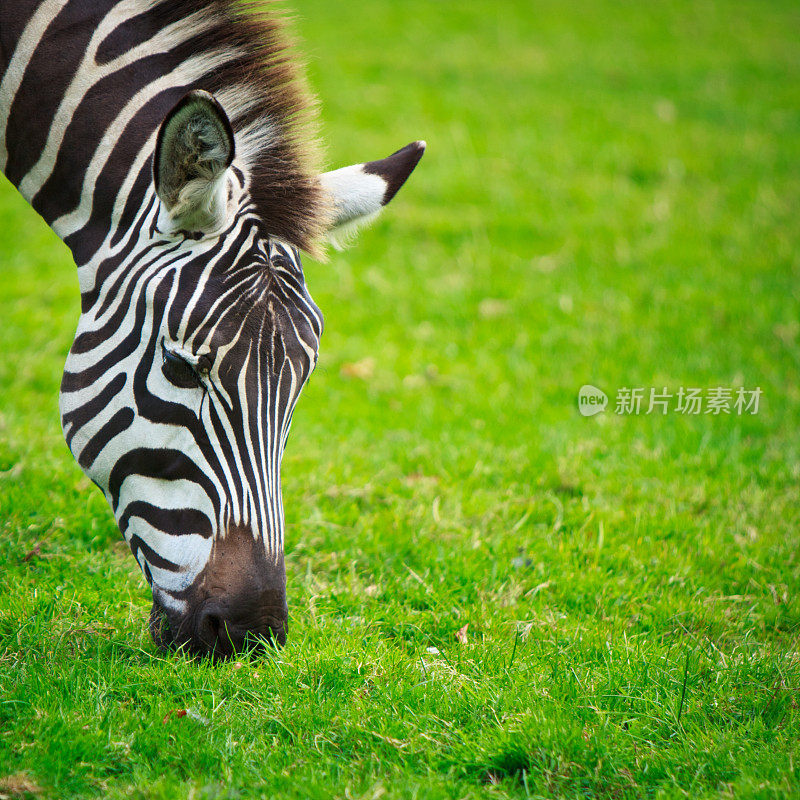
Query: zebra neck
(85, 85)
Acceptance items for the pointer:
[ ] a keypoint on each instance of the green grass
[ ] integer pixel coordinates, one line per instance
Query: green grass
(621, 181)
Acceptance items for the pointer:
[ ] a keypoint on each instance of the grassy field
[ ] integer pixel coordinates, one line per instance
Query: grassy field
(610, 197)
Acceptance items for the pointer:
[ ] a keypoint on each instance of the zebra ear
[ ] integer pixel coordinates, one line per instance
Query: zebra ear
(358, 193)
(194, 149)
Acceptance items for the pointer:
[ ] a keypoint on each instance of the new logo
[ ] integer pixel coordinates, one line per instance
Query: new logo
(591, 400)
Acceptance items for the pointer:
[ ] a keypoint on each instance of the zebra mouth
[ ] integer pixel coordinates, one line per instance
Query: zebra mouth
(236, 603)
(212, 631)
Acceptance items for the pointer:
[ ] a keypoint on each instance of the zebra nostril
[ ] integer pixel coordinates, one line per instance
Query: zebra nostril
(212, 631)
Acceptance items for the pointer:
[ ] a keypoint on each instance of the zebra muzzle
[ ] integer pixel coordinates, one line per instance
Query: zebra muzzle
(238, 602)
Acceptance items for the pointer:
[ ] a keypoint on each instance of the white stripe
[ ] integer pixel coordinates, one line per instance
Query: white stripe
(26, 45)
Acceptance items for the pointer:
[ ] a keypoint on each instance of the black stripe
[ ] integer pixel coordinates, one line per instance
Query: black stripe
(164, 464)
(74, 381)
(121, 421)
(133, 205)
(151, 556)
(137, 29)
(224, 444)
(43, 87)
(13, 20)
(174, 521)
(78, 417)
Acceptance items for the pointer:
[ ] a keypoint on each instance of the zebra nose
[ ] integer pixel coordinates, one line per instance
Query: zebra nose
(223, 628)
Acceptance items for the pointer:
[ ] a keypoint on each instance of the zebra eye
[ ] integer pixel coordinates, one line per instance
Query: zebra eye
(178, 371)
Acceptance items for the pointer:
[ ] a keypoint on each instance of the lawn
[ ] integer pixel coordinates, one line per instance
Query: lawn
(610, 197)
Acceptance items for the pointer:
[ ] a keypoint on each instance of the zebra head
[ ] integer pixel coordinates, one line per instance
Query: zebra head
(192, 348)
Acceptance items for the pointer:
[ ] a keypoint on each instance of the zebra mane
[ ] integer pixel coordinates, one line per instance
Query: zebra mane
(258, 80)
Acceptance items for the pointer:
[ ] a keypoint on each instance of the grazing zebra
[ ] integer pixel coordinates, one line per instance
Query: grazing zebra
(169, 144)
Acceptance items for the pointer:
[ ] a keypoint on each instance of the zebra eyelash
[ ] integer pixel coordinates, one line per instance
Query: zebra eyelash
(178, 370)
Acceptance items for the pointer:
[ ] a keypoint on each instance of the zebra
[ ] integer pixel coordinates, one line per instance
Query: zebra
(171, 145)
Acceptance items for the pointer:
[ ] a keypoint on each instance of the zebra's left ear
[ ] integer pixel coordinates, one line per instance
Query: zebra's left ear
(358, 193)
(194, 149)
